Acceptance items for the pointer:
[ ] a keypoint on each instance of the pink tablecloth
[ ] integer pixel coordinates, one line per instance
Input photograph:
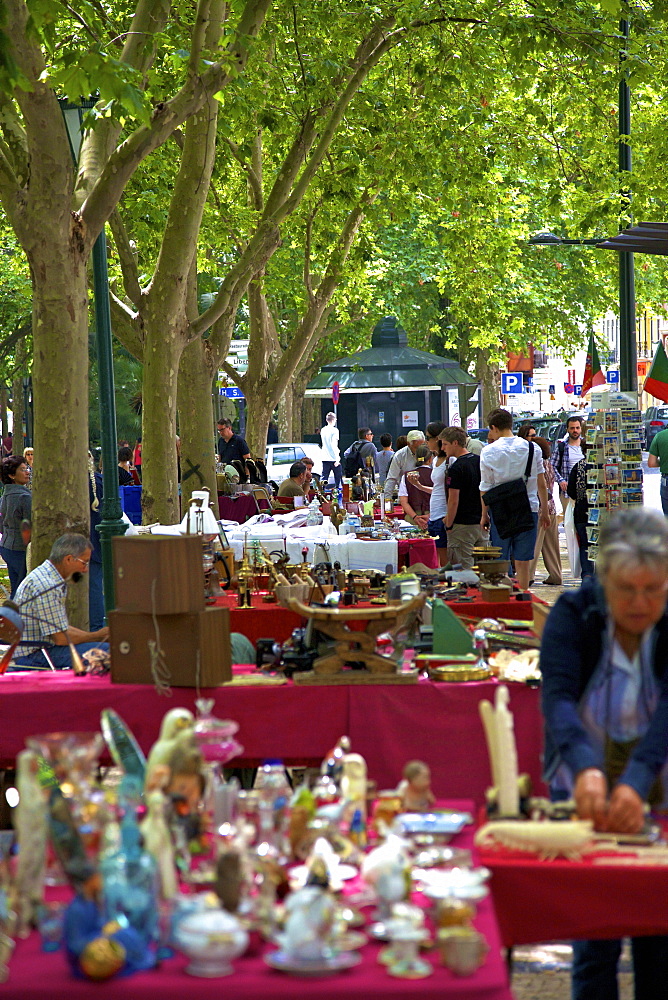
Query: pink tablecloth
(417, 550)
(35, 975)
(388, 724)
(558, 900)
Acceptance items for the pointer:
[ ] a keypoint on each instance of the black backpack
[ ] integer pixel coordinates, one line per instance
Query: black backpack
(353, 461)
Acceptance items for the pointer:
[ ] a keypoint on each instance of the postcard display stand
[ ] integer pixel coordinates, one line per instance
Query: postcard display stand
(614, 462)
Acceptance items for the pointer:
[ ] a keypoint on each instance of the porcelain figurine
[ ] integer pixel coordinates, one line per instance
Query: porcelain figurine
(31, 825)
(98, 949)
(158, 843)
(176, 728)
(353, 783)
(310, 915)
(415, 788)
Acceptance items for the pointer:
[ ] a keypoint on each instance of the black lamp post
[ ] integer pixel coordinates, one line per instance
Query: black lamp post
(628, 355)
(111, 523)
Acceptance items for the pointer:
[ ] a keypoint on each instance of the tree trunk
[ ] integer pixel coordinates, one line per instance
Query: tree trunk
(3, 416)
(286, 420)
(18, 409)
(488, 375)
(196, 423)
(60, 393)
(258, 414)
(311, 419)
(162, 354)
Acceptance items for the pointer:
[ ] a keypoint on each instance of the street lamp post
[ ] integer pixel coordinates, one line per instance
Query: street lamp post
(628, 354)
(111, 521)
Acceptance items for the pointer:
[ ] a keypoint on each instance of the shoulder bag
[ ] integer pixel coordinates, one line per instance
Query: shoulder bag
(509, 503)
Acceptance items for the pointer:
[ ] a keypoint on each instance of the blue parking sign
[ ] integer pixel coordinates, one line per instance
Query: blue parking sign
(511, 382)
(612, 377)
(577, 390)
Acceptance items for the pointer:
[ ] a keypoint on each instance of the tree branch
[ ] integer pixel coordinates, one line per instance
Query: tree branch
(168, 116)
(126, 257)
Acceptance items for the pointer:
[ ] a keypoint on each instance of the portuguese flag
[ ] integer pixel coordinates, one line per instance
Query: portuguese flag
(593, 373)
(656, 383)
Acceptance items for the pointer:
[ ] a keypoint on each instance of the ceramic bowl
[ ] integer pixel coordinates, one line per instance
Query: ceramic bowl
(211, 940)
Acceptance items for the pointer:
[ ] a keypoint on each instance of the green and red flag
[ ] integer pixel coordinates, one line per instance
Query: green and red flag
(593, 373)
(656, 383)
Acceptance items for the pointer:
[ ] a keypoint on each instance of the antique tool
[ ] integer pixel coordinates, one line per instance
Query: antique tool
(355, 647)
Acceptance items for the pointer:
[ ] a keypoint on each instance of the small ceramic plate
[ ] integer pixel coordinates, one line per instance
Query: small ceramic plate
(324, 967)
(463, 883)
(436, 823)
(344, 873)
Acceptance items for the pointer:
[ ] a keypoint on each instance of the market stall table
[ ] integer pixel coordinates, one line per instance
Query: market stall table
(562, 900)
(35, 974)
(271, 621)
(438, 723)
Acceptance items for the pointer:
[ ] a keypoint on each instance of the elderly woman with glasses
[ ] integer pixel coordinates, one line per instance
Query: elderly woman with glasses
(604, 658)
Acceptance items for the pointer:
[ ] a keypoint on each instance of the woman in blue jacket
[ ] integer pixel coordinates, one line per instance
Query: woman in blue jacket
(604, 659)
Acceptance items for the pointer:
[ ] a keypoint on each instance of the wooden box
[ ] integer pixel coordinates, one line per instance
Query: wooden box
(181, 637)
(159, 574)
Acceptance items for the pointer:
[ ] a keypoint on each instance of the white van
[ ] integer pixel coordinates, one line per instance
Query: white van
(280, 457)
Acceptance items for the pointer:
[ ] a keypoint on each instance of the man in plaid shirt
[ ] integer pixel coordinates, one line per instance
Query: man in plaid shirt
(41, 602)
(565, 454)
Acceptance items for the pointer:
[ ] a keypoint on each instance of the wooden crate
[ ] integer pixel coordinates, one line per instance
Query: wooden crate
(159, 574)
(182, 637)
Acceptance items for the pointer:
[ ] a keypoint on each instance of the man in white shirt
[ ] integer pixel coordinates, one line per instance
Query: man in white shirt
(505, 459)
(403, 461)
(331, 457)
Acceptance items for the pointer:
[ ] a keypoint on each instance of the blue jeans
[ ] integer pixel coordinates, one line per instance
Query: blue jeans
(436, 529)
(663, 493)
(95, 596)
(16, 566)
(586, 565)
(59, 655)
(520, 546)
(328, 467)
(594, 974)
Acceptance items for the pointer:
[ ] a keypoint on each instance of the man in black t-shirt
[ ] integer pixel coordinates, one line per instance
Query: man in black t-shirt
(231, 445)
(464, 506)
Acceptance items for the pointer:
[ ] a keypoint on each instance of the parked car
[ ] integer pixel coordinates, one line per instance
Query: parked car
(280, 457)
(655, 420)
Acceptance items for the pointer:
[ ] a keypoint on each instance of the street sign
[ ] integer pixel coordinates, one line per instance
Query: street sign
(551, 389)
(239, 346)
(577, 390)
(336, 392)
(231, 392)
(571, 376)
(511, 382)
(612, 377)
(568, 387)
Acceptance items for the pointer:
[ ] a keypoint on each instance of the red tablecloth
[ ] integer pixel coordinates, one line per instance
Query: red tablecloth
(417, 550)
(35, 975)
(270, 621)
(239, 507)
(559, 900)
(388, 724)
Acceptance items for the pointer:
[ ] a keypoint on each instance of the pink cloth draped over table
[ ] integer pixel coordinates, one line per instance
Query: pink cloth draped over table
(35, 975)
(388, 724)
(418, 550)
(558, 900)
